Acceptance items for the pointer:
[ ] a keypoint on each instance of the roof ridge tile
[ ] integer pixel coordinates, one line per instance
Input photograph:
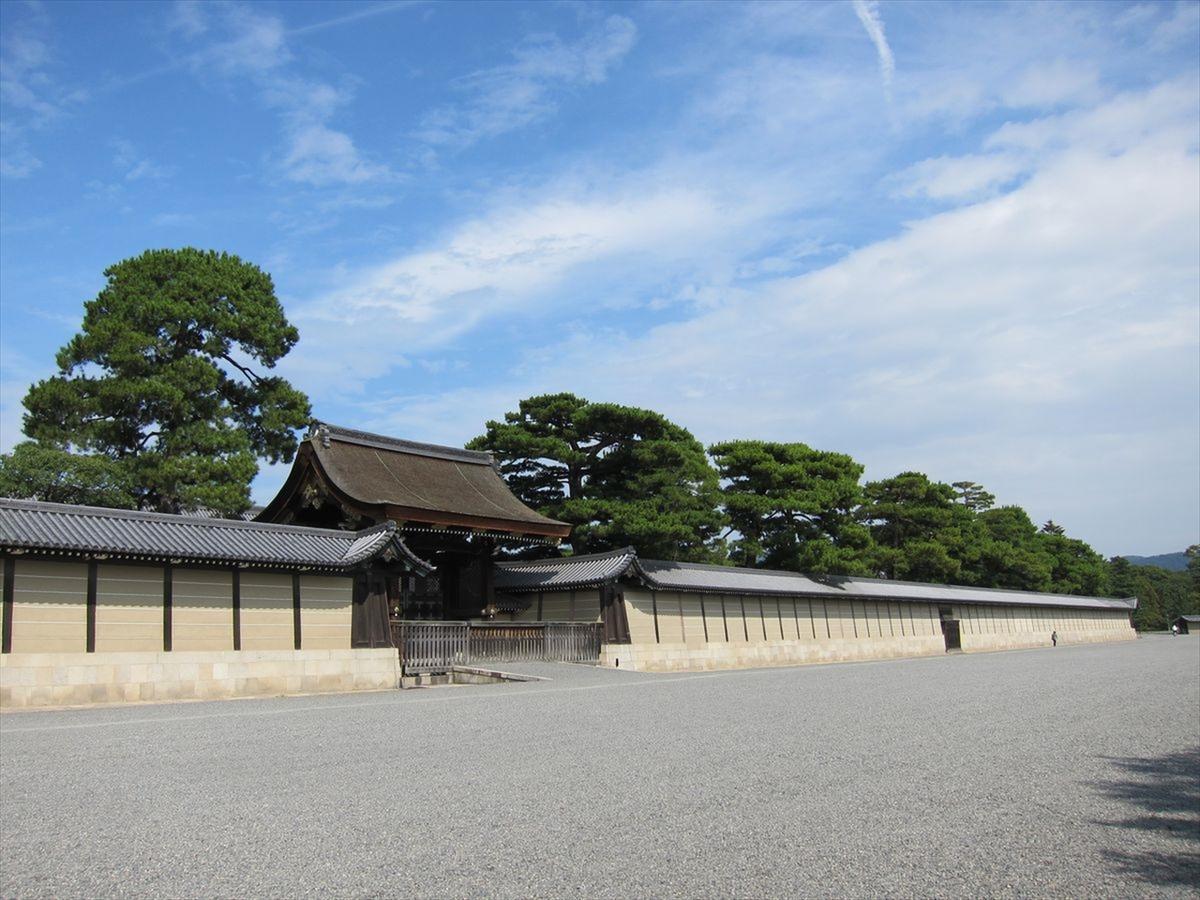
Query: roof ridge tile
(419, 448)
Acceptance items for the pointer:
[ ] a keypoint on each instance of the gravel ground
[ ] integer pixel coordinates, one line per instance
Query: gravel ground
(1067, 772)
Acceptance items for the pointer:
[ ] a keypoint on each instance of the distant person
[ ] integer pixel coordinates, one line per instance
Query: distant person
(1175, 629)
(1054, 638)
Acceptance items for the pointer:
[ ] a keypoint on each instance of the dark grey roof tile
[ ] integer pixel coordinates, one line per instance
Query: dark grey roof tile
(563, 573)
(28, 525)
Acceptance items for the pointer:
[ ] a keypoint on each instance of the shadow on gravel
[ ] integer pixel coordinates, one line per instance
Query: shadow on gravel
(1162, 796)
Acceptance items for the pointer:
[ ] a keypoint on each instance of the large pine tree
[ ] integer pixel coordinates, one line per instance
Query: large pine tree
(167, 381)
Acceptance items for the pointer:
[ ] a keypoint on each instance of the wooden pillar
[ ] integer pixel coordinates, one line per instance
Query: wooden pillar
(10, 577)
(296, 609)
(237, 609)
(167, 601)
(91, 606)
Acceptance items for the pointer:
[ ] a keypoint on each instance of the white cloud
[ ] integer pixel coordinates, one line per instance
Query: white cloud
(134, 165)
(319, 155)
(1016, 341)
(508, 97)
(17, 373)
(1054, 84)
(1164, 114)
(254, 46)
(1180, 27)
(959, 177)
(31, 98)
(189, 18)
(17, 159)
(868, 13)
(509, 261)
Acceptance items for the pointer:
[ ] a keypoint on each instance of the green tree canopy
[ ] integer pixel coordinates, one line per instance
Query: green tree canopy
(1162, 595)
(1075, 568)
(793, 507)
(1009, 555)
(920, 532)
(973, 496)
(620, 475)
(166, 380)
(36, 472)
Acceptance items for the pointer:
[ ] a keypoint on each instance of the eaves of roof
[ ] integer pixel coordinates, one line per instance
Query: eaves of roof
(34, 527)
(699, 578)
(564, 573)
(582, 571)
(382, 477)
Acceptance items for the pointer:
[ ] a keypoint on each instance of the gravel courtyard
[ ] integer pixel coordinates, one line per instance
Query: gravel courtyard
(1063, 772)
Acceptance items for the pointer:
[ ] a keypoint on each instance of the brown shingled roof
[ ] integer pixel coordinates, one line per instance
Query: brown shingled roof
(411, 482)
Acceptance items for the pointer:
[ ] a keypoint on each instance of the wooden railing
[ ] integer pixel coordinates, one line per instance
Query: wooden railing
(426, 646)
(430, 646)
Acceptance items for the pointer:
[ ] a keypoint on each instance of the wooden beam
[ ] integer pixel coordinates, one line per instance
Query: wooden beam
(415, 515)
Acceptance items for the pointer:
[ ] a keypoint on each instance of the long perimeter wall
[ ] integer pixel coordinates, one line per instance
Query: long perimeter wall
(78, 632)
(672, 631)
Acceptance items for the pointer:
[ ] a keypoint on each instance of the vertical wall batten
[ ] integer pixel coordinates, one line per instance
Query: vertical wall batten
(237, 609)
(167, 599)
(10, 577)
(91, 606)
(654, 612)
(724, 620)
(296, 609)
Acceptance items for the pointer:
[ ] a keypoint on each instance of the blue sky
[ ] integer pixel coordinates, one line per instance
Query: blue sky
(962, 238)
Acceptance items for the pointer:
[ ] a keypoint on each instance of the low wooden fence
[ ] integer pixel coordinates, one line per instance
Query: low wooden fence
(431, 646)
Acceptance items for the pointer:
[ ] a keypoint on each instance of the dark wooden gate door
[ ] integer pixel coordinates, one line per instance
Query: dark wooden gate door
(950, 632)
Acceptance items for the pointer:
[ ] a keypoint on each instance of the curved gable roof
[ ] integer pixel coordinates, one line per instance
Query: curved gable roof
(412, 481)
(564, 573)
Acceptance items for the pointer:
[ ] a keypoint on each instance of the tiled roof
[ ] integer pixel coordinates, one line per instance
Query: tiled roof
(563, 573)
(580, 571)
(421, 482)
(33, 526)
(675, 576)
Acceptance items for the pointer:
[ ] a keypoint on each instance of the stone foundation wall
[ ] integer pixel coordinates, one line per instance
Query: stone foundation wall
(691, 632)
(73, 679)
(677, 657)
(1029, 639)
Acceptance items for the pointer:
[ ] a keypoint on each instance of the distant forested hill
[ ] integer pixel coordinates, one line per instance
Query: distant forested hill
(1175, 562)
